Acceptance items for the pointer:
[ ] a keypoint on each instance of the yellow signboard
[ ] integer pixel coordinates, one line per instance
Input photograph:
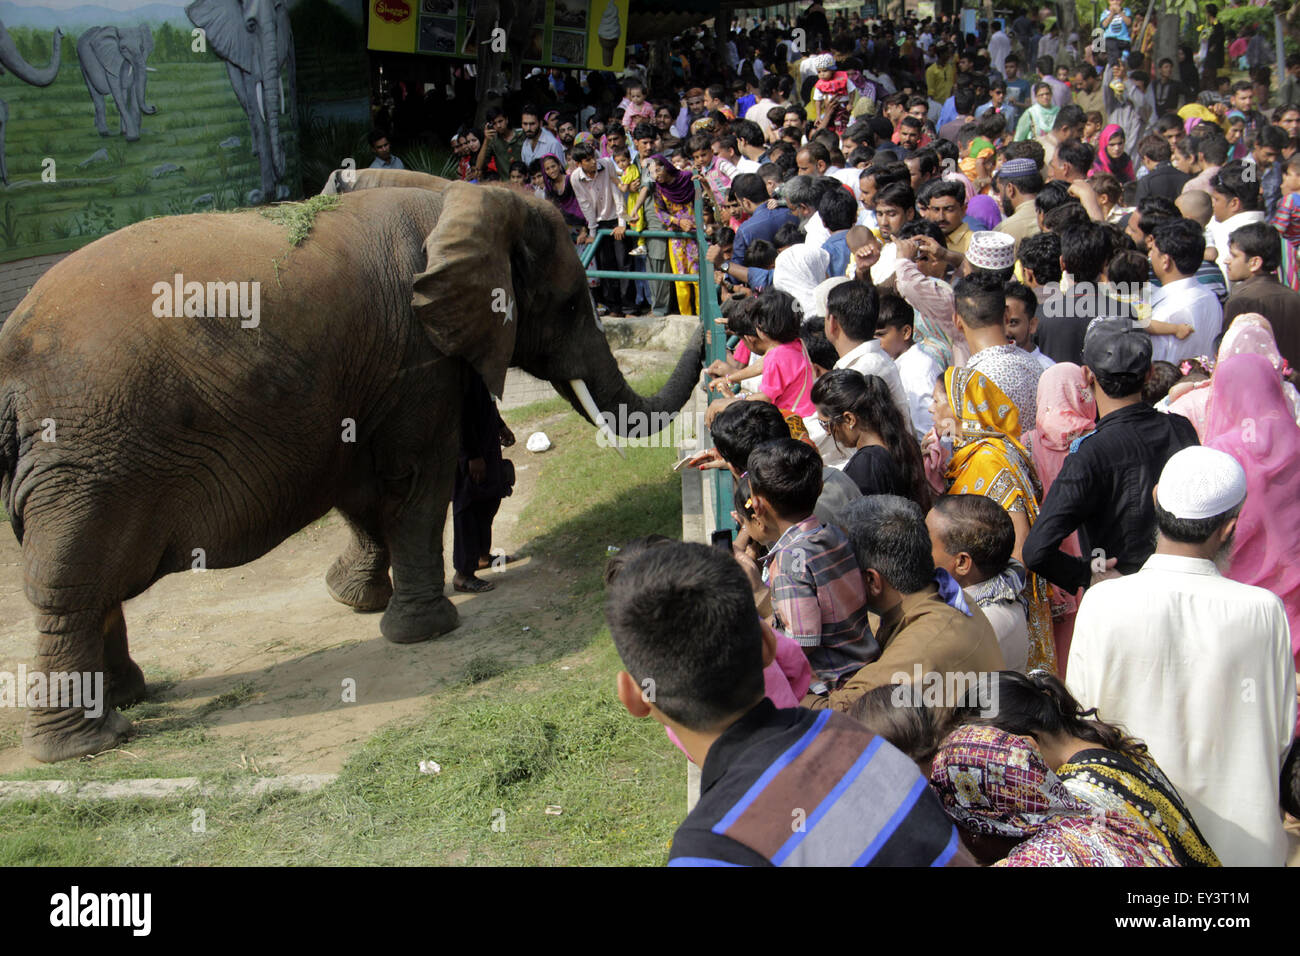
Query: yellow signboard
(591, 34)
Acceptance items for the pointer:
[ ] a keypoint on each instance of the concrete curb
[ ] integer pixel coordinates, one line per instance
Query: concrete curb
(159, 788)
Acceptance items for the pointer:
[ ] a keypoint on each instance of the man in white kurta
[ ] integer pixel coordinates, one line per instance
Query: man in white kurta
(1197, 666)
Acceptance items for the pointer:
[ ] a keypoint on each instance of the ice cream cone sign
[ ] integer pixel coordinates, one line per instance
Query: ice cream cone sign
(608, 23)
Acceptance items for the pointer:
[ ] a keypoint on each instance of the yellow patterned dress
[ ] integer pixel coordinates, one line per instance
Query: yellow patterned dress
(988, 459)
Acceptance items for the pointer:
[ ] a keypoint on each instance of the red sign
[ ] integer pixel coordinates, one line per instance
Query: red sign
(394, 11)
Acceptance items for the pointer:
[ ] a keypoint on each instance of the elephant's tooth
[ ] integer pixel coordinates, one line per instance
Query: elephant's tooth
(589, 406)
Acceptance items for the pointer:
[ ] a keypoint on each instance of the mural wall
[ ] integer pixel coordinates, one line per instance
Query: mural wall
(117, 111)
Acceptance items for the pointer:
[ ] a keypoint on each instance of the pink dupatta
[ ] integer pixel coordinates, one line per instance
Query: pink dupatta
(1249, 334)
(1251, 420)
(1066, 410)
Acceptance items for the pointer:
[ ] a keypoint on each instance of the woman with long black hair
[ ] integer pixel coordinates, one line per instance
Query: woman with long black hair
(859, 413)
(1098, 762)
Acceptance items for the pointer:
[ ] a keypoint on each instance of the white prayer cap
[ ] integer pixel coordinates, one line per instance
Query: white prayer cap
(991, 250)
(1200, 482)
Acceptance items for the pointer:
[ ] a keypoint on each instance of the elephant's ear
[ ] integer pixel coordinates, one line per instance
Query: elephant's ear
(222, 22)
(105, 45)
(480, 262)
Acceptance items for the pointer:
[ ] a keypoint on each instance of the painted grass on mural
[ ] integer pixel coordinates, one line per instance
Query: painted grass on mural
(197, 112)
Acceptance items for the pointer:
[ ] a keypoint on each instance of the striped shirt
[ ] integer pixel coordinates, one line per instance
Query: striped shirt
(819, 599)
(812, 788)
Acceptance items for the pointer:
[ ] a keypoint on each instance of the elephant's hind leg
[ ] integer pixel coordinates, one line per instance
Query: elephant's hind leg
(359, 577)
(71, 717)
(123, 677)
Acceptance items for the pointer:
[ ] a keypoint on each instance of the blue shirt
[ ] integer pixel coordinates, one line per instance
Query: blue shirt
(948, 111)
(1116, 29)
(1010, 112)
(759, 278)
(393, 163)
(763, 224)
(838, 247)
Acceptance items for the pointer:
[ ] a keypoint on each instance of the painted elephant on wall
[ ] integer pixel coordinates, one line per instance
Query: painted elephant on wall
(176, 436)
(516, 18)
(114, 62)
(256, 41)
(12, 60)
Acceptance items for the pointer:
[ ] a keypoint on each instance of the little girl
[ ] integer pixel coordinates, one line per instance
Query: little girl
(787, 377)
(1286, 220)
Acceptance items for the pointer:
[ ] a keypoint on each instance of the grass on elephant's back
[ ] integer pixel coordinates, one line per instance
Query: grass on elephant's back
(549, 735)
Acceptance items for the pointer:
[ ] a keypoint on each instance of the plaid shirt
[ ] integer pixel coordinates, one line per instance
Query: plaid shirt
(819, 600)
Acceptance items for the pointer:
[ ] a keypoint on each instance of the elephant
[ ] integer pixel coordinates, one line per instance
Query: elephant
(255, 39)
(12, 60)
(113, 63)
(135, 439)
(516, 18)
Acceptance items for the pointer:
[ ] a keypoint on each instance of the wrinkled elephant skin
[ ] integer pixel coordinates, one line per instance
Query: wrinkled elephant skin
(182, 437)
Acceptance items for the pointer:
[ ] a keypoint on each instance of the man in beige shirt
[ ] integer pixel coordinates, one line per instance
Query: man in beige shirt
(928, 630)
(1088, 95)
(1018, 183)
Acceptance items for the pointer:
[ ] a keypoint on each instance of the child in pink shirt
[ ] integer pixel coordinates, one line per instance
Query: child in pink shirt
(787, 372)
(637, 109)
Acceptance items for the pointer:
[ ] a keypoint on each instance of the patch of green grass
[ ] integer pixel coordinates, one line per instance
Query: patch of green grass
(513, 746)
(299, 217)
(484, 667)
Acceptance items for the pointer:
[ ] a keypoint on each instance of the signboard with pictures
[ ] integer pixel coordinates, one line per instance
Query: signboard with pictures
(566, 33)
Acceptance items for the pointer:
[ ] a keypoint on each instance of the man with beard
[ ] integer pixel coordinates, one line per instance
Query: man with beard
(568, 131)
(1104, 488)
(1018, 184)
(538, 140)
(1210, 639)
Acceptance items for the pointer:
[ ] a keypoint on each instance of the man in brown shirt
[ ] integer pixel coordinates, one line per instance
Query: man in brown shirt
(927, 628)
(1018, 183)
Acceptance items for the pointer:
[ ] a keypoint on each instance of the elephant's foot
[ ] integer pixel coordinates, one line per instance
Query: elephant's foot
(281, 192)
(127, 686)
(132, 139)
(254, 197)
(406, 622)
(358, 587)
(65, 734)
(149, 110)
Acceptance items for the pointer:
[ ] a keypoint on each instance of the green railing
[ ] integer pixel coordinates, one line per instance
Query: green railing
(714, 336)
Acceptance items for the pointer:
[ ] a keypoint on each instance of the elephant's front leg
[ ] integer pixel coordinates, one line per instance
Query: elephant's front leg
(419, 611)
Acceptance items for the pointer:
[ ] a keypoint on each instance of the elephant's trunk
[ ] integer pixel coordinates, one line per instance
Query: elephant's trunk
(13, 61)
(626, 413)
(271, 96)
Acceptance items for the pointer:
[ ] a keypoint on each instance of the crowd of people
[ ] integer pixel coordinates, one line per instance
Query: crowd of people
(1014, 325)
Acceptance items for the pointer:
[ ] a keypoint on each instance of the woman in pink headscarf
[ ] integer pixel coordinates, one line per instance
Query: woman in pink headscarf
(1249, 334)
(1066, 410)
(1252, 421)
(1111, 157)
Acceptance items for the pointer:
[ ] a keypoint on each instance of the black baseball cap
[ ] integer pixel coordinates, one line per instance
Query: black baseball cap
(1117, 347)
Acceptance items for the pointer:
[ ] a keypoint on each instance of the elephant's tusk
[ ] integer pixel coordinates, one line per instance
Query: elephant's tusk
(261, 106)
(589, 406)
(151, 69)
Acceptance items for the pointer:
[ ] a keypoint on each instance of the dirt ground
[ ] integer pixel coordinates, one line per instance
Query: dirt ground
(273, 624)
